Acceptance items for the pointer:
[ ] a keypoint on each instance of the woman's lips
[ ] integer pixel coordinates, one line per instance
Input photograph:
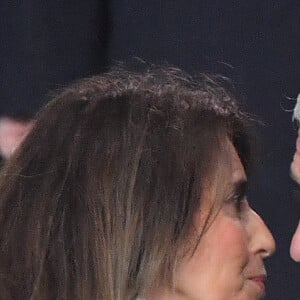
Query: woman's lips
(260, 281)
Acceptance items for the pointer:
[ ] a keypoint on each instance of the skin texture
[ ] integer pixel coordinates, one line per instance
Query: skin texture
(12, 133)
(230, 253)
(295, 174)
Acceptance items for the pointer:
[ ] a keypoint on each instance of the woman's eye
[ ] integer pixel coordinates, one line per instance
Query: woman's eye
(239, 202)
(236, 205)
(238, 199)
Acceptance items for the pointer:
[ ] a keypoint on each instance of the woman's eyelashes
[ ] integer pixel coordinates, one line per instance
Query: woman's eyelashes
(238, 199)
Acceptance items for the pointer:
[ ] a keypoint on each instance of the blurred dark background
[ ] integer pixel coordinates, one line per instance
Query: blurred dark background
(46, 44)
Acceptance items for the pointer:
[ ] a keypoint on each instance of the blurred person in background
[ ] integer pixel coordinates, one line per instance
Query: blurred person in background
(12, 133)
(45, 45)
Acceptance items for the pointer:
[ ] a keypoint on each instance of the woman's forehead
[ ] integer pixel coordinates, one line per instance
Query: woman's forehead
(237, 168)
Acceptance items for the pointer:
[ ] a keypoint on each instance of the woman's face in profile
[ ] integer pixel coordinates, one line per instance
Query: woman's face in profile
(228, 262)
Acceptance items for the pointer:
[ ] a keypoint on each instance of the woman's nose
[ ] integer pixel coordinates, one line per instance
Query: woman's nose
(261, 239)
(295, 245)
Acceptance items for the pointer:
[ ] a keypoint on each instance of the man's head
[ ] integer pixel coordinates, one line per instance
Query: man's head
(295, 174)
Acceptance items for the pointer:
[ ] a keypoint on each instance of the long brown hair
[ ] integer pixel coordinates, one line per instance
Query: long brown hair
(98, 201)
